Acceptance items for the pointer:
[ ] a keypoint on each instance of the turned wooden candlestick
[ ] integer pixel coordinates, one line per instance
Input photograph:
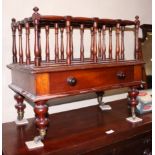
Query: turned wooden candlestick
(132, 94)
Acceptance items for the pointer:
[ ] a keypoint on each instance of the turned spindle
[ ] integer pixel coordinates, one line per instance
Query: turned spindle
(117, 41)
(92, 46)
(41, 111)
(71, 42)
(95, 42)
(122, 42)
(110, 43)
(68, 47)
(99, 42)
(81, 43)
(62, 44)
(47, 49)
(28, 56)
(103, 48)
(20, 44)
(56, 44)
(37, 52)
(14, 49)
(39, 37)
(137, 24)
(140, 54)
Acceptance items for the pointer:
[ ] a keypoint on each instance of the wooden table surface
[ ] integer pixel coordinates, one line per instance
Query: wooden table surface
(77, 131)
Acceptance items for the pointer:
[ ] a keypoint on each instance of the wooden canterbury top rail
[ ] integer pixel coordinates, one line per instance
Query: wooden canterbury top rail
(76, 21)
(61, 24)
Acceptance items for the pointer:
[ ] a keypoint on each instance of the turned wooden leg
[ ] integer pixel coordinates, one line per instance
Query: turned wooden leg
(41, 110)
(99, 97)
(102, 105)
(20, 106)
(133, 93)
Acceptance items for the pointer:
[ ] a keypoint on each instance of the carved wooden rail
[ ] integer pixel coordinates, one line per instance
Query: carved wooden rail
(67, 24)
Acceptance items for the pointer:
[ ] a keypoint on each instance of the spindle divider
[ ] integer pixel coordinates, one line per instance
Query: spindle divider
(28, 54)
(92, 42)
(71, 42)
(37, 47)
(99, 42)
(81, 43)
(56, 44)
(14, 49)
(103, 45)
(68, 42)
(117, 41)
(62, 44)
(95, 40)
(137, 25)
(47, 50)
(110, 43)
(20, 43)
(122, 42)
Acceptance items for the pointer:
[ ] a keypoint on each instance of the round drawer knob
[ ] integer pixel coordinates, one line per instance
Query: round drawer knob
(71, 81)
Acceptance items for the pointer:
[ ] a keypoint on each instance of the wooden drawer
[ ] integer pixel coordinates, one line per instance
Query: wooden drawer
(89, 79)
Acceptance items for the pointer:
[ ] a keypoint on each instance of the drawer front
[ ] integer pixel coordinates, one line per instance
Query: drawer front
(87, 79)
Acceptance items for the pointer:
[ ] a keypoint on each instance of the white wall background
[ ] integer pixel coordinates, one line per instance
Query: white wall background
(123, 9)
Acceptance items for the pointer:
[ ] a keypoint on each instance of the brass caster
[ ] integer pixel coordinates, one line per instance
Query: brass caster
(20, 115)
(42, 133)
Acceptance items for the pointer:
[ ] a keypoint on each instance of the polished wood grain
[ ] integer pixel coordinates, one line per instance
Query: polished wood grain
(85, 77)
(62, 74)
(82, 131)
(76, 20)
(41, 121)
(48, 82)
(95, 25)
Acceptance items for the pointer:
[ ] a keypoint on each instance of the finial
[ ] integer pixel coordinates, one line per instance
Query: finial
(25, 19)
(13, 20)
(137, 18)
(13, 24)
(36, 9)
(35, 15)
